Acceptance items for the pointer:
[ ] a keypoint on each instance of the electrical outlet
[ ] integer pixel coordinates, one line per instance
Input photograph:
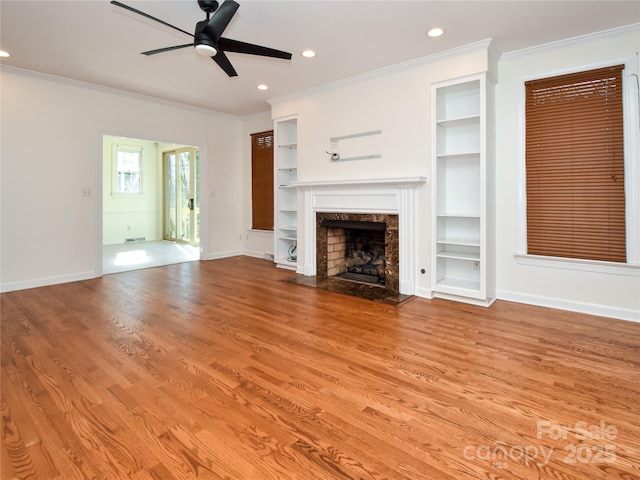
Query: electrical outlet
(86, 192)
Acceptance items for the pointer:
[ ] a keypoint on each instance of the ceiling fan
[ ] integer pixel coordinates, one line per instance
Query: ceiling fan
(208, 39)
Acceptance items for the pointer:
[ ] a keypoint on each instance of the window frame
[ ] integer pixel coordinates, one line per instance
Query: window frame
(115, 192)
(631, 120)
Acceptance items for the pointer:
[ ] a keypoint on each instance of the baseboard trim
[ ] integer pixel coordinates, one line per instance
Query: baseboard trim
(541, 301)
(46, 281)
(227, 254)
(579, 307)
(258, 254)
(424, 293)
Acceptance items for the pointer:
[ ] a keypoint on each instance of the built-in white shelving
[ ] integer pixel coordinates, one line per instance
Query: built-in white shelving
(460, 161)
(286, 195)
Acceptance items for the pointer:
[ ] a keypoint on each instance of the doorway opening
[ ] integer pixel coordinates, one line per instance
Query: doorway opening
(150, 204)
(181, 173)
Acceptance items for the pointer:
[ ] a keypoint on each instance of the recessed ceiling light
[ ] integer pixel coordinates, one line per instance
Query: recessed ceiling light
(4, 54)
(309, 54)
(435, 32)
(262, 86)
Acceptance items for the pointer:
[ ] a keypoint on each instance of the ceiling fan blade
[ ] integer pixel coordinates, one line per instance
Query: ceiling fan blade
(223, 62)
(131, 9)
(220, 20)
(236, 46)
(166, 49)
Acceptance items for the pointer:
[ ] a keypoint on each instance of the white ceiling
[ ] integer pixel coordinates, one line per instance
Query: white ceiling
(96, 42)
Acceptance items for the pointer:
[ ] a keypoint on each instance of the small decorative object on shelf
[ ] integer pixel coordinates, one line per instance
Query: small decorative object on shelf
(356, 146)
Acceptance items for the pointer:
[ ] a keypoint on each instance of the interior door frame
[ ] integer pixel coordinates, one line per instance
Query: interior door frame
(98, 191)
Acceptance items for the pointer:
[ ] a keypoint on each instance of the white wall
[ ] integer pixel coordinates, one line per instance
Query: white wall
(600, 293)
(51, 149)
(132, 216)
(255, 243)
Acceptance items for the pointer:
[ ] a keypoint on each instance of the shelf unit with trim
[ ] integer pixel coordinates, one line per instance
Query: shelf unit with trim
(462, 248)
(286, 195)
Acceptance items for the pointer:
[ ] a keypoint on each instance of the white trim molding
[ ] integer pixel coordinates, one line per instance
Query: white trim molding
(117, 91)
(570, 305)
(612, 268)
(480, 45)
(47, 281)
(565, 42)
(389, 196)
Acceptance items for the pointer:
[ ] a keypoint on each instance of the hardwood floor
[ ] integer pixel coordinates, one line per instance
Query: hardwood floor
(220, 369)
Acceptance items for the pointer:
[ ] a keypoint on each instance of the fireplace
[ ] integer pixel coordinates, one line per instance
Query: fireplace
(358, 247)
(391, 201)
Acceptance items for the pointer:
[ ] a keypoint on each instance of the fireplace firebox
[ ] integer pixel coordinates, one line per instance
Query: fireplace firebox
(358, 247)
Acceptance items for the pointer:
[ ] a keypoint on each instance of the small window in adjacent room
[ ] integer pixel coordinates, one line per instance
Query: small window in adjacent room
(262, 180)
(576, 203)
(127, 177)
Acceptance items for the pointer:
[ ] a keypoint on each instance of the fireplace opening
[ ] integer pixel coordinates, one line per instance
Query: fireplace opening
(356, 253)
(358, 247)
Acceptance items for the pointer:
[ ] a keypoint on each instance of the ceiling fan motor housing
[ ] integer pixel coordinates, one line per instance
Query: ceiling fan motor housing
(204, 40)
(208, 6)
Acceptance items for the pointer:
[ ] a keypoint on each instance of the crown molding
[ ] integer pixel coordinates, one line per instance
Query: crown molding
(114, 91)
(399, 67)
(612, 32)
(257, 115)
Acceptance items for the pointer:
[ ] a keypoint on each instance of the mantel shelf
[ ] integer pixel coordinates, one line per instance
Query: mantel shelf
(398, 182)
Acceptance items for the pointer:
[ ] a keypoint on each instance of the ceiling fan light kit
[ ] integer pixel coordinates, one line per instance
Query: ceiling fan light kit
(206, 50)
(208, 40)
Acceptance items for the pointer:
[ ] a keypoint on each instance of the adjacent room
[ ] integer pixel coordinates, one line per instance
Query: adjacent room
(151, 204)
(318, 239)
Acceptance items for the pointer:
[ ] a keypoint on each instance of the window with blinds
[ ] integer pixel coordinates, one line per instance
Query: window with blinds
(262, 180)
(575, 166)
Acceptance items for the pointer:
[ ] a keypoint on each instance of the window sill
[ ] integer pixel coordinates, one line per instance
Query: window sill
(611, 268)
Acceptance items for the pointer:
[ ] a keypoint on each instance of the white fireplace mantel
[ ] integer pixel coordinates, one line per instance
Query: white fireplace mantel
(398, 182)
(387, 195)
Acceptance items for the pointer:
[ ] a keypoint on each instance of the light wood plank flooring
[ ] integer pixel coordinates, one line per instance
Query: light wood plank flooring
(221, 369)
